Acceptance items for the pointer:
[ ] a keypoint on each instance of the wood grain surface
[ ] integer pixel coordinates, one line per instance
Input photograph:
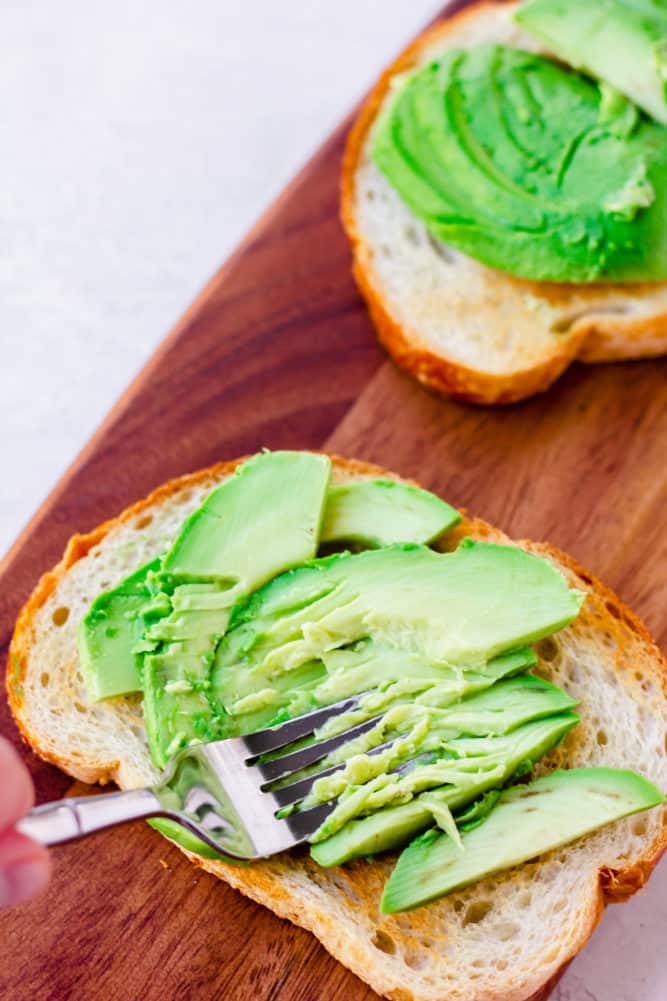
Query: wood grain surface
(278, 351)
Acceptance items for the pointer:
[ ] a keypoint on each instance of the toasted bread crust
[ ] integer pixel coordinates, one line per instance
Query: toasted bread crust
(595, 338)
(267, 882)
(443, 374)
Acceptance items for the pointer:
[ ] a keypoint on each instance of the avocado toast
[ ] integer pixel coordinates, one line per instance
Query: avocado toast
(539, 914)
(489, 293)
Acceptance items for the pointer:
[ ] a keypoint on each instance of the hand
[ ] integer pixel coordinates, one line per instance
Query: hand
(25, 866)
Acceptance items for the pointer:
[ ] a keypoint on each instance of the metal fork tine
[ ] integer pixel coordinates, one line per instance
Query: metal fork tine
(273, 738)
(287, 764)
(302, 825)
(297, 791)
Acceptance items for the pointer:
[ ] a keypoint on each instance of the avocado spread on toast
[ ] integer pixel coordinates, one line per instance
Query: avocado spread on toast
(241, 625)
(528, 167)
(531, 167)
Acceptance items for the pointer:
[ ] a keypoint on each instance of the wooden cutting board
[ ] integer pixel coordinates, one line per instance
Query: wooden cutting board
(278, 351)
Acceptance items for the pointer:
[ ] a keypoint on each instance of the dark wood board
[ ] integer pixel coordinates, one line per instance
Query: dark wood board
(278, 351)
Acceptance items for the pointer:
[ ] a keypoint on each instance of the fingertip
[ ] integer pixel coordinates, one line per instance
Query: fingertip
(17, 790)
(25, 869)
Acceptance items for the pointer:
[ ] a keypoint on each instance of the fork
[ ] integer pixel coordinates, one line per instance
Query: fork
(222, 792)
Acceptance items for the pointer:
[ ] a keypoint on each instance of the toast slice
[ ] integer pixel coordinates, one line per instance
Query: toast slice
(460, 327)
(505, 938)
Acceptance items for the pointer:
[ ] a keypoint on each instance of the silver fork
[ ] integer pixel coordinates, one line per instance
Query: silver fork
(221, 792)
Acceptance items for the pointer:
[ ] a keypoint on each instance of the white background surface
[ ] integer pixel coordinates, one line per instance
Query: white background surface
(139, 142)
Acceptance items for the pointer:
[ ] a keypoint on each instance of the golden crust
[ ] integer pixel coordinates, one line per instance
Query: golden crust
(623, 339)
(596, 338)
(266, 882)
(444, 375)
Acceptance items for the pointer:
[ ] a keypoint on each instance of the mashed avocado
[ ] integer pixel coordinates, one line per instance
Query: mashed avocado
(529, 167)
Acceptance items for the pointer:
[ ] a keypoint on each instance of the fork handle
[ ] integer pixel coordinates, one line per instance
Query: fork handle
(67, 819)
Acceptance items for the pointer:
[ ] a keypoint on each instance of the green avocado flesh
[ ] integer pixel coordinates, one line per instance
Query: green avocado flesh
(527, 821)
(623, 42)
(528, 167)
(458, 610)
(477, 774)
(367, 512)
(454, 748)
(430, 734)
(264, 518)
(108, 634)
(239, 626)
(381, 512)
(429, 637)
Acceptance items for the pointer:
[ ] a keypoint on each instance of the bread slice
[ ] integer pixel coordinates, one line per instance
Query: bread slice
(505, 938)
(458, 326)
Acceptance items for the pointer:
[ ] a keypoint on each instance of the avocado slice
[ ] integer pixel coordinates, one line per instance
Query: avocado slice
(527, 821)
(261, 521)
(428, 747)
(391, 676)
(108, 634)
(478, 773)
(457, 609)
(375, 513)
(623, 42)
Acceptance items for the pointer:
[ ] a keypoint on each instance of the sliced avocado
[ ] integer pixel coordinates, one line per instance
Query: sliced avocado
(368, 513)
(457, 609)
(257, 524)
(404, 705)
(390, 676)
(261, 521)
(424, 731)
(478, 773)
(108, 634)
(428, 747)
(381, 512)
(176, 667)
(623, 42)
(500, 709)
(527, 821)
